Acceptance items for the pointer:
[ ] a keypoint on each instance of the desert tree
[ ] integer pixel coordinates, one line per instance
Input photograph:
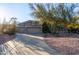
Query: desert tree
(54, 15)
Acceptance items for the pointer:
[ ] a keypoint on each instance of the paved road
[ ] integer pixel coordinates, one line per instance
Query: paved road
(26, 45)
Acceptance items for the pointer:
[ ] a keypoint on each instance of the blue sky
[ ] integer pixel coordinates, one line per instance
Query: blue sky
(19, 10)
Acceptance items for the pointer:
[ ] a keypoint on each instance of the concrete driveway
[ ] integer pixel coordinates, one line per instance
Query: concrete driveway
(25, 44)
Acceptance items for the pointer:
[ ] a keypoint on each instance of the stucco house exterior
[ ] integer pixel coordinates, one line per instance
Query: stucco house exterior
(29, 26)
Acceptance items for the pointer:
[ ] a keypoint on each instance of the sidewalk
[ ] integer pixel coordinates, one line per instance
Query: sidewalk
(25, 44)
(33, 36)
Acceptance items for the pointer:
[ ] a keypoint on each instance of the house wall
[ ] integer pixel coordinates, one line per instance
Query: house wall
(31, 29)
(34, 29)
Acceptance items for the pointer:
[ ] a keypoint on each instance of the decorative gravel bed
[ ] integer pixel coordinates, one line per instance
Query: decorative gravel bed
(65, 45)
(5, 37)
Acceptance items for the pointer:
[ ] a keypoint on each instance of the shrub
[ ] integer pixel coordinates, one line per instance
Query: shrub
(45, 28)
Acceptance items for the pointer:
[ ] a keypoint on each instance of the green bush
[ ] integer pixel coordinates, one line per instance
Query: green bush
(45, 28)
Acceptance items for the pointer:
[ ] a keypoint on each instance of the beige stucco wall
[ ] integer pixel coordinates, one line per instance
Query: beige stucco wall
(32, 29)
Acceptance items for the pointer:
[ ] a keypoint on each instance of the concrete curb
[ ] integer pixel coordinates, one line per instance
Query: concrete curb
(33, 36)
